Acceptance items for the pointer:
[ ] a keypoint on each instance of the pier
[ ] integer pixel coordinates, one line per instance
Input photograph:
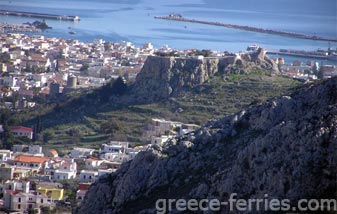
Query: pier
(302, 55)
(17, 28)
(247, 28)
(39, 15)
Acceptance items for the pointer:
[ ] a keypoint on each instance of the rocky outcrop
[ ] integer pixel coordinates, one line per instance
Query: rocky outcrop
(252, 62)
(285, 148)
(162, 77)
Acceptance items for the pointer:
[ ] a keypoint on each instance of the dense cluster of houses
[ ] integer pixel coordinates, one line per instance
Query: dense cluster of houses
(20, 196)
(309, 71)
(24, 163)
(29, 162)
(85, 165)
(33, 66)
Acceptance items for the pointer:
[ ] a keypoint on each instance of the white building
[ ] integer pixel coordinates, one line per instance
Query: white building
(64, 170)
(159, 127)
(81, 152)
(21, 131)
(17, 196)
(114, 157)
(5, 155)
(82, 189)
(105, 171)
(159, 140)
(35, 150)
(92, 163)
(20, 148)
(88, 176)
(10, 81)
(114, 147)
(34, 163)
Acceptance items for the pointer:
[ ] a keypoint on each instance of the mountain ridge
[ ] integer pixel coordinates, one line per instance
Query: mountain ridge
(284, 147)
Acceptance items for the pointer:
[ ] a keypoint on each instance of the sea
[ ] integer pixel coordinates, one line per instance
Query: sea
(133, 20)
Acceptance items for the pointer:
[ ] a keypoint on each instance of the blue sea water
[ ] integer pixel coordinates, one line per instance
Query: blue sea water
(132, 20)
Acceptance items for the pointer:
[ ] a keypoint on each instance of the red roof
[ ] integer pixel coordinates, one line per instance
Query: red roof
(30, 159)
(29, 93)
(66, 164)
(13, 192)
(92, 159)
(83, 186)
(21, 128)
(53, 152)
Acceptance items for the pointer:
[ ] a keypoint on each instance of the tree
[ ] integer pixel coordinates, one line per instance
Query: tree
(119, 87)
(5, 58)
(46, 210)
(75, 135)
(107, 46)
(47, 136)
(7, 137)
(108, 127)
(84, 67)
(125, 63)
(33, 211)
(5, 116)
(57, 66)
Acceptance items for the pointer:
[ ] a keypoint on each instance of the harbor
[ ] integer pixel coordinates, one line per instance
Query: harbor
(177, 17)
(39, 15)
(319, 54)
(18, 28)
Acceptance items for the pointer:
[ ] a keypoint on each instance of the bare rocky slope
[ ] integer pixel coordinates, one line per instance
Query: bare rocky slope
(164, 77)
(285, 147)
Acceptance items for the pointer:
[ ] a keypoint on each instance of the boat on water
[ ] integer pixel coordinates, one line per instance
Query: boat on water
(72, 32)
(253, 48)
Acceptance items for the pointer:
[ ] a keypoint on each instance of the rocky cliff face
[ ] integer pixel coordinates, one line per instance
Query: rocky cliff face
(285, 148)
(162, 77)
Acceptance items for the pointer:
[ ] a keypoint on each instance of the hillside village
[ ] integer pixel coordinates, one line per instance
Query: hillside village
(35, 69)
(35, 66)
(25, 165)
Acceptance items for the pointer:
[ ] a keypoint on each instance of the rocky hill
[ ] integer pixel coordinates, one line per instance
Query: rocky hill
(285, 147)
(163, 77)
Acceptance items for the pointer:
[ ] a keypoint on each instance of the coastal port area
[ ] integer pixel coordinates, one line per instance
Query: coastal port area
(39, 15)
(18, 28)
(319, 54)
(177, 17)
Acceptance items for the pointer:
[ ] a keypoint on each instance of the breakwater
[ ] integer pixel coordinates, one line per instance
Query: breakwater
(39, 15)
(297, 54)
(17, 28)
(247, 28)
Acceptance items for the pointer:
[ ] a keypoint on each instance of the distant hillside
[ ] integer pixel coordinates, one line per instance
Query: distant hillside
(186, 90)
(285, 147)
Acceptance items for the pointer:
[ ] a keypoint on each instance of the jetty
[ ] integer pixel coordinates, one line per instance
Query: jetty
(297, 54)
(320, 54)
(180, 18)
(39, 15)
(18, 28)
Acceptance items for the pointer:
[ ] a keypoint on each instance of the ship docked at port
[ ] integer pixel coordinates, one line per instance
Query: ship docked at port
(39, 15)
(317, 54)
(330, 54)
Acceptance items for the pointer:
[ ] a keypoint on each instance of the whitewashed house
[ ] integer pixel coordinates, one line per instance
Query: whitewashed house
(88, 176)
